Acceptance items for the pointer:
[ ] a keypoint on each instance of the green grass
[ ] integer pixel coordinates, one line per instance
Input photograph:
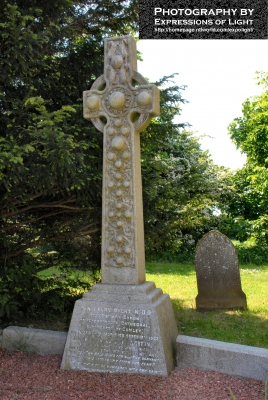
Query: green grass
(248, 327)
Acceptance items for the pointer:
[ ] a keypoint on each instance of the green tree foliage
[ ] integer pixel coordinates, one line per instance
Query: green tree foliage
(51, 158)
(246, 211)
(50, 166)
(250, 132)
(181, 184)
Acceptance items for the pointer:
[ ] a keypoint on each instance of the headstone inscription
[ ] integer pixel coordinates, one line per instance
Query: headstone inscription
(217, 272)
(124, 324)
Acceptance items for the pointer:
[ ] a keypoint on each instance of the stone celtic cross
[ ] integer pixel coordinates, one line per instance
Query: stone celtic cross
(124, 324)
(120, 104)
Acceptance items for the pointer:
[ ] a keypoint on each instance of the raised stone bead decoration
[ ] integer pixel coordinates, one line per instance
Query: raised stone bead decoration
(123, 324)
(119, 226)
(127, 110)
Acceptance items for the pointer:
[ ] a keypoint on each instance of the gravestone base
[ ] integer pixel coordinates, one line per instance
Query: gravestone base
(122, 329)
(216, 301)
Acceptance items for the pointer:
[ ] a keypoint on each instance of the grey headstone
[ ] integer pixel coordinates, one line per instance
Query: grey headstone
(217, 272)
(123, 324)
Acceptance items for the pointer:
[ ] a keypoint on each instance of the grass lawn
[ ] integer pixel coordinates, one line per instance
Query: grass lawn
(248, 327)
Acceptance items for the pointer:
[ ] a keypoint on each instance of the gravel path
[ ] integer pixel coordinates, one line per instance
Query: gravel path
(35, 377)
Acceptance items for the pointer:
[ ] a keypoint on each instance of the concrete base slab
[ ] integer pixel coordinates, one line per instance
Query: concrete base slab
(31, 340)
(122, 329)
(227, 358)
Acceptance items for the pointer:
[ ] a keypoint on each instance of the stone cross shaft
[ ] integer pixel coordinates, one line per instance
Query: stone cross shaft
(120, 104)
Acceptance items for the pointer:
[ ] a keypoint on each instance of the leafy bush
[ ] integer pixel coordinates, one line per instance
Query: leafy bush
(24, 292)
(235, 227)
(252, 251)
(170, 257)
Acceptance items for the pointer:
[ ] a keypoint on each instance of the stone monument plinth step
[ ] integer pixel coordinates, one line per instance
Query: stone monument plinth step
(123, 324)
(146, 292)
(122, 329)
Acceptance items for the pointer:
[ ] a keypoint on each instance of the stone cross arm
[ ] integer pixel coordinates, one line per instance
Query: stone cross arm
(123, 324)
(116, 94)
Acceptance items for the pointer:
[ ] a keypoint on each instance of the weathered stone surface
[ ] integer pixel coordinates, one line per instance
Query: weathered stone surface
(127, 110)
(33, 340)
(123, 329)
(227, 358)
(123, 324)
(217, 272)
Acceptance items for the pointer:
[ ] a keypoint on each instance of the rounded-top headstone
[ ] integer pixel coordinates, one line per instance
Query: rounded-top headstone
(217, 272)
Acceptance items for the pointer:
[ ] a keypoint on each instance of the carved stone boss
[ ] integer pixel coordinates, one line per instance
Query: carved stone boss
(120, 104)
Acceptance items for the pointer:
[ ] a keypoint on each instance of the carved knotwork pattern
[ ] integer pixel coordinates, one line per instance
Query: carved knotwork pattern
(118, 69)
(119, 224)
(127, 109)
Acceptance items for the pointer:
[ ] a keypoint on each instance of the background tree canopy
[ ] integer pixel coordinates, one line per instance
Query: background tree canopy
(51, 158)
(245, 211)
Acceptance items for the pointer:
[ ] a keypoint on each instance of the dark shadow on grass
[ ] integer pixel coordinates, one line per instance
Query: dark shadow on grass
(184, 269)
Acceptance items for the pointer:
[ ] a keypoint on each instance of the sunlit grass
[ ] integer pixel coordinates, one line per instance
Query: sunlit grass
(249, 327)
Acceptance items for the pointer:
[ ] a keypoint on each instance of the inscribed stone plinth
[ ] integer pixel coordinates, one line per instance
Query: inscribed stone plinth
(123, 324)
(123, 329)
(217, 272)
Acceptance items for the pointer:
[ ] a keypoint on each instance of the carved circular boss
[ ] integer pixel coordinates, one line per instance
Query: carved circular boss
(118, 101)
